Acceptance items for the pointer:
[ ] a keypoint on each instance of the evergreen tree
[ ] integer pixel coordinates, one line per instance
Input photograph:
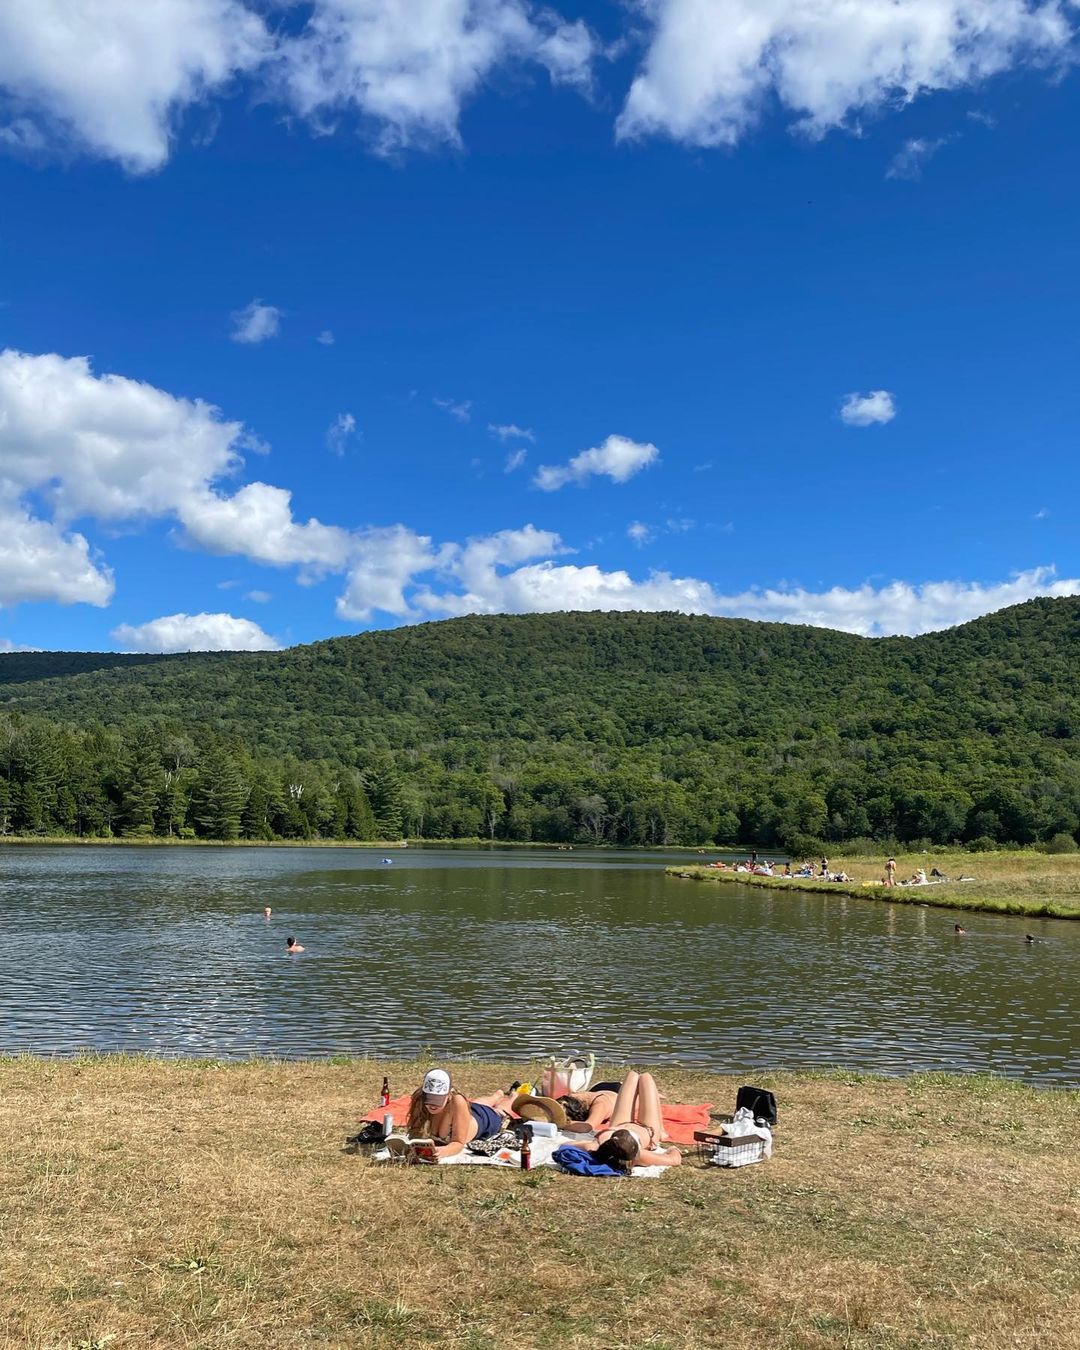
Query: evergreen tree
(384, 791)
(217, 797)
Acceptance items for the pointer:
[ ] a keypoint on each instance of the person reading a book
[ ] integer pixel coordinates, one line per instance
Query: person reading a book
(437, 1111)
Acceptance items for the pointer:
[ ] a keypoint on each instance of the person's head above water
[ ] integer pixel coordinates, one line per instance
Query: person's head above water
(958, 929)
(291, 945)
(268, 911)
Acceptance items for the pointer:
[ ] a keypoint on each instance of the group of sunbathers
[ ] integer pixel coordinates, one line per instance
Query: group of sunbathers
(619, 1122)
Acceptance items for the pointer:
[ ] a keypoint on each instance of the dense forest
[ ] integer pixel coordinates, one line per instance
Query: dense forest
(598, 728)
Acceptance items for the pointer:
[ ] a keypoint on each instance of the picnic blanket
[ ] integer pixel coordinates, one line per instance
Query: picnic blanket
(680, 1120)
(542, 1149)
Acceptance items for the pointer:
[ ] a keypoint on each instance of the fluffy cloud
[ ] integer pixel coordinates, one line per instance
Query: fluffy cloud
(114, 449)
(618, 459)
(341, 428)
(325, 338)
(864, 410)
(385, 562)
(6, 645)
(408, 69)
(111, 77)
(40, 562)
(256, 322)
(514, 572)
(195, 633)
(515, 459)
(713, 66)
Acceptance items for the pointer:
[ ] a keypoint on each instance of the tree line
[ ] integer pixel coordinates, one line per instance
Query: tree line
(574, 728)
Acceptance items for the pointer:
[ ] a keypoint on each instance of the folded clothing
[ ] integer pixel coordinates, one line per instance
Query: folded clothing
(582, 1164)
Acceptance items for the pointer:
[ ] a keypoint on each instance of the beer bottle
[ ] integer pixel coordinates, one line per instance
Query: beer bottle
(526, 1149)
(384, 1097)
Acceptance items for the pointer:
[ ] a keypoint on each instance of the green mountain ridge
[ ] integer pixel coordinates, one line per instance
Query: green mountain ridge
(642, 728)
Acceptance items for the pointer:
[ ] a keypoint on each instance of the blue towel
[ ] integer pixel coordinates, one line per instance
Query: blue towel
(582, 1164)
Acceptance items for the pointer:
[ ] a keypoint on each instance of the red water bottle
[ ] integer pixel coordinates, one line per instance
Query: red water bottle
(384, 1096)
(526, 1149)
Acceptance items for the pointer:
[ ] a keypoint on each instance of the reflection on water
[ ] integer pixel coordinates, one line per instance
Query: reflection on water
(512, 955)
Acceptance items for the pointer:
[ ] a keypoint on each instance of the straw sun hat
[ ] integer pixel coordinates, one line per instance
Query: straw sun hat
(539, 1108)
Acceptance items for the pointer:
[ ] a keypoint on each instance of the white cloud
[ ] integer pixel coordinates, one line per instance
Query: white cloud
(195, 633)
(385, 561)
(6, 645)
(341, 428)
(112, 76)
(618, 458)
(640, 533)
(258, 597)
(115, 450)
(913, 156)
(510, 432)
(408, 69)
(326, 338)
(256, 322)
(38, 561)
(514, 572)
(515, 459)
(864, 410)
(257, 521)
(714, 66)
(461, 412)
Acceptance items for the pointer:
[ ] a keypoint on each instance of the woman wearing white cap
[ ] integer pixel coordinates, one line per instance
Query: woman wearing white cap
(437, 1111)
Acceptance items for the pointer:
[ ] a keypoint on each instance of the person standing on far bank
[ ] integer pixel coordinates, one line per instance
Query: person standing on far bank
(890, 872)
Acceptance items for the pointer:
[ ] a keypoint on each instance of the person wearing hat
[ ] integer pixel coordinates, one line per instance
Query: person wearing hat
(437, 1111)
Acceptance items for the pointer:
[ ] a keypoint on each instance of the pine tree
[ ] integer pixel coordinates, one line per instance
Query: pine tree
(386, 804)
(218, 797)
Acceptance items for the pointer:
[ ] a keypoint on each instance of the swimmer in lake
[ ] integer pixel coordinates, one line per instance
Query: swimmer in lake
(268, 913)
(292, 946)
(960, 932)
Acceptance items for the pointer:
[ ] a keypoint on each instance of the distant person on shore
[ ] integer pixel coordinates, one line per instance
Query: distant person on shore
(292, 946)
(890, 872)
(634, 1136)
(268, 913)
(824, 867)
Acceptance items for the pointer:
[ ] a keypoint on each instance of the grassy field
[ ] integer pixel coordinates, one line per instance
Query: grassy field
(194, 1204)
(1018, 882)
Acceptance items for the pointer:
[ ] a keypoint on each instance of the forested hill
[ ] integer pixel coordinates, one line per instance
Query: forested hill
(620, 727)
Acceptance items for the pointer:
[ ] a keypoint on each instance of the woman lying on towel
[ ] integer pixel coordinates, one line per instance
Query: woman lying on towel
(588, 1112)
(437, 1111)
(633, 1137)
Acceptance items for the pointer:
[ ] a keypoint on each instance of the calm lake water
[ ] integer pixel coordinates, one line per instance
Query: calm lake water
(513, 955)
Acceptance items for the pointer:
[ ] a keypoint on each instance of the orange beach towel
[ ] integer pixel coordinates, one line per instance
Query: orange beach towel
(680, 1121)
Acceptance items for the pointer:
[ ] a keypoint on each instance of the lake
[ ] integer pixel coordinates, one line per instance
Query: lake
(512, 955)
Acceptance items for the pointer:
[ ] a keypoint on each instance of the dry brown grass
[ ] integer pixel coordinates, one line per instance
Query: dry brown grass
(1009, 882)
(173, 1204)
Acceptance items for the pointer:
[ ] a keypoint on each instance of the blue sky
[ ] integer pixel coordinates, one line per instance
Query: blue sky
(729, 307)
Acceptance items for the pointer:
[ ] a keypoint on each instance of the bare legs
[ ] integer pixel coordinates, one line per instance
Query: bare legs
(639, 1101)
